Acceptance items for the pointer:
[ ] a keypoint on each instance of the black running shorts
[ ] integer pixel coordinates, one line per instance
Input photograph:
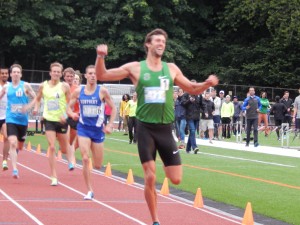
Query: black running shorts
(152, 137)
(72, 123)
(1, 123)
(56, 126)
(17, 130)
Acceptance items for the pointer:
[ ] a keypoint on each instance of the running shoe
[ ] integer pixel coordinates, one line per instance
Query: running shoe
(4, 165)
(71, 166)
(89, 196)
(256, 144)
(196, 150)
(54, 181)
(156, 223)
(15, 174)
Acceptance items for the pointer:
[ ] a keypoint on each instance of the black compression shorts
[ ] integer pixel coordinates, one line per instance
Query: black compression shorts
(152, 137)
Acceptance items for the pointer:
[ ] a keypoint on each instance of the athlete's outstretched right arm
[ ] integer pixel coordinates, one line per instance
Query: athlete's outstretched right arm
(108, 75)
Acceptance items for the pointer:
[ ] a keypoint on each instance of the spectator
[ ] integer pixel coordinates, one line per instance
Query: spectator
(236, 116)
(132, 122)
(288, 102)
(296, 116)
(180, 117)
(227, 112)
(207, 116)
(252, 106)
(263, 112)
(193, 105)
(217, 114)
(279, 111)
(124, 113)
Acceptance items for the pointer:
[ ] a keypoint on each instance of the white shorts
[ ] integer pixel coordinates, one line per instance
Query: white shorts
(207, 124)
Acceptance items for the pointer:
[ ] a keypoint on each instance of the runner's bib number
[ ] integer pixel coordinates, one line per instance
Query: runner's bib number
(155, 95)
(16, 108)
(53, 105)
(91, 111)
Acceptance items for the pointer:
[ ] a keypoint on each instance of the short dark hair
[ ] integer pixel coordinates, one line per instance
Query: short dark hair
(262, 94)
(156, 31)
(128, 97)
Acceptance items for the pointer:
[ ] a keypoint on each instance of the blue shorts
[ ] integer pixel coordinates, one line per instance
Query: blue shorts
(217, 119)
(96, 134)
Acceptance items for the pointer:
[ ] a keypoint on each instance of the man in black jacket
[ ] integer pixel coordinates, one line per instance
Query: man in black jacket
(288, 102)
(193, 104)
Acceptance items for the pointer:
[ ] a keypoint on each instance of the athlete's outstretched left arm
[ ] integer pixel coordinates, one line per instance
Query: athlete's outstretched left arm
(192, 87)
(105, 97)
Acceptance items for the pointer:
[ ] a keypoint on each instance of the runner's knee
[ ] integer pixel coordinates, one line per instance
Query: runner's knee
(150, 178)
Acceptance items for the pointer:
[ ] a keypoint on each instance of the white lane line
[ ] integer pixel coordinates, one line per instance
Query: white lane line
(232, 157)
(22, 208)
(176, 199)
(250, 160)
(82, 194)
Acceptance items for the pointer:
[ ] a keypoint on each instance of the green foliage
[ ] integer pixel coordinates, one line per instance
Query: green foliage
(243, 41)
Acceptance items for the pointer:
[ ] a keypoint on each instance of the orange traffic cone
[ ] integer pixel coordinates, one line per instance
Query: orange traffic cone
(90, 164)
(38, 149)
(130, 179)
(59, 155)
(248, 216)
(165, 188)
(108, 170)
(198, 202)
(29, 146)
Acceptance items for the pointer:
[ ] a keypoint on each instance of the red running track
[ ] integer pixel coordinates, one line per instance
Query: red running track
(31, 200)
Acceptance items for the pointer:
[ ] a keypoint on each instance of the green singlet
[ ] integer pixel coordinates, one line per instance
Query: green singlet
(155, 95)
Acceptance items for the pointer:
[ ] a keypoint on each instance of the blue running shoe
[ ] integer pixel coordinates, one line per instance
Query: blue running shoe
(15, 174)
(156, 223)
(71, 166)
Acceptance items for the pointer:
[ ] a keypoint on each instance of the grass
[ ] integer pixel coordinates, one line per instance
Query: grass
(273, 190)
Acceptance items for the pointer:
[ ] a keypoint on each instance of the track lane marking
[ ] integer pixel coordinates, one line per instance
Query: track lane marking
(82, 194)
(21, 208)
(208, 210)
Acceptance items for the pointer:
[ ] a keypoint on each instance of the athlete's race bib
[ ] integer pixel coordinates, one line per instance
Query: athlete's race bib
(91, 110)
(53, 105)
(16, 108)
(155, 95)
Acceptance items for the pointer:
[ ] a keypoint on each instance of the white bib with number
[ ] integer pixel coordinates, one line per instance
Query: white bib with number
(155, 95)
